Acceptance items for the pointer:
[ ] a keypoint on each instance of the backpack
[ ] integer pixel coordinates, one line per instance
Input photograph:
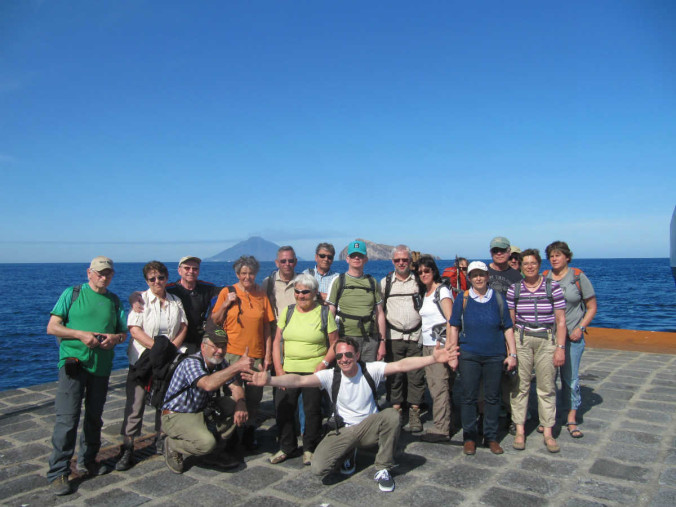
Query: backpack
(270, 291)
(360, 318)
(324, 316)
(160, 385)
(535, 299)
(439, 330)
(417, 303)
(498, 298)
(576, 277)
(455, 279)
(210, 309)
(335, 387)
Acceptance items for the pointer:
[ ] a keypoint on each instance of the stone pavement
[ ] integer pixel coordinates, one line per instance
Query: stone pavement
(627, 456)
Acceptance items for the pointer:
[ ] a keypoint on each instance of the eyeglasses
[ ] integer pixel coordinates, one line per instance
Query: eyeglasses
(105, 273)
(349, 355)
(404, 260)
(462, 268)
(324, 256)
(304, 291)
(190, 268)
(498, 250)
(215, 346)
(287, 261)
(160, 278)
(425, 271)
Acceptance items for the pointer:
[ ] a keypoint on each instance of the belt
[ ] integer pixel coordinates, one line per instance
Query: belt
(167, 412)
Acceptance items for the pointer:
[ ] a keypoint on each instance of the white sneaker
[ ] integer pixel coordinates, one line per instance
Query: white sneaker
(384, 480)
(350, 464)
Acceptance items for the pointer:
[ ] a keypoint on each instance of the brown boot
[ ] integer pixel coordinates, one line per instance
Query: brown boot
(414, 423)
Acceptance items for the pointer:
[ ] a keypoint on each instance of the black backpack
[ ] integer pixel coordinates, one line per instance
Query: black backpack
(160, 384)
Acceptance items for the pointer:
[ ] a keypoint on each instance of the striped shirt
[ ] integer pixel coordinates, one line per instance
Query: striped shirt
(193, 399)
(534, 310)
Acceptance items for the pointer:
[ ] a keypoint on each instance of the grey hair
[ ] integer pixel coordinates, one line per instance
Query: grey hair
(286, 248)
(401, 248)
(306, 280)
(325, 246)
(246, 260)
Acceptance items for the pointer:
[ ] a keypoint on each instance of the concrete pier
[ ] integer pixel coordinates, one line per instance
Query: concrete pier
(627, 455)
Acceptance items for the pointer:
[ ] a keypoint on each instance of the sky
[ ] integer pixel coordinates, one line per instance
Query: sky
(157, 129)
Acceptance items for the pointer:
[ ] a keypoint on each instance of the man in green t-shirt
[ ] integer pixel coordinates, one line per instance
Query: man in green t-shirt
(356, 300)
(88, 322)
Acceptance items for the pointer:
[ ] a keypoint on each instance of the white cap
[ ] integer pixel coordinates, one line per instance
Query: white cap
(476, 265)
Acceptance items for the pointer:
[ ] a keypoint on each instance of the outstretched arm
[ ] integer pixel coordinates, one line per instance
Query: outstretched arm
(263, 378)
(440, 355)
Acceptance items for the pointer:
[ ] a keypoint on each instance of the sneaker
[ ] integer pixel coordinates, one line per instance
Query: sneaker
(384, 480)
(350, 464)
(512, 428)
(61, 486)
(307, 458)
(414, 423)
(278, 457)
(126, 461)
(174, 460)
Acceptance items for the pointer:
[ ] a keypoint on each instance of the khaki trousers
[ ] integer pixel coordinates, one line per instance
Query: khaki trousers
(537, 352)
(440, 380)
(381, 429)
(189, 434)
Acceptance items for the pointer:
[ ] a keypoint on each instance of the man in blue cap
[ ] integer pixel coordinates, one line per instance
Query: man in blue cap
(356, 300)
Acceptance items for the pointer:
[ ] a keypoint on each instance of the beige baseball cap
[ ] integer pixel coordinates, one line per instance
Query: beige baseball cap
(190, 258)
(101, 263)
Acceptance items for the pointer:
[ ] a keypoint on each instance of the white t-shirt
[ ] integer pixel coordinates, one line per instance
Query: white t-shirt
(355, 398)
(431, 316)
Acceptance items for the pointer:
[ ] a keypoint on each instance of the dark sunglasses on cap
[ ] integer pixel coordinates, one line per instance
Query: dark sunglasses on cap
(304, 291)
(324, 256)
(349, 355)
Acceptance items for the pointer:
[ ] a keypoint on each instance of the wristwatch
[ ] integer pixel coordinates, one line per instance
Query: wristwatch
(326, 363)
(561, 346)
(513, 355)
(583, 329)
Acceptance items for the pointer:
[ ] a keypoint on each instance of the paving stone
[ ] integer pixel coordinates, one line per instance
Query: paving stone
(268, 501)
(5, 444)
(548, 467)
(206, 495)
(23, 484)
(10, 393)
(24, 453)
(460, 476)
(304, 486)
(668, 477)
(117, 498)
(606, 491)
(581, 502)
(671, 391)
(608, 468)
(97, 483)
(658, 397)
(161, 484)
(485, 457)
(671, 457)
(16, 427)
(256, 477)
(613, 394)
(430, 496)
(630, 387)
(509, 498)
(34, 398)
(629, 453)
(440, 452)
(17, 470)
(529, 482)
(362, 492)
(44, 498)
(39, 433)
(653, 405)
(665, 497)
(664, 382)
(643, 427)
(635, 438)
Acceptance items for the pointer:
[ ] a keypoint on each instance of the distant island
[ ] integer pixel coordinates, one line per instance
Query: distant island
(260, 248)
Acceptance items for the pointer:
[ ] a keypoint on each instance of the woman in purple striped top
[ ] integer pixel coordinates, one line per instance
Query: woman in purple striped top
(537, 307)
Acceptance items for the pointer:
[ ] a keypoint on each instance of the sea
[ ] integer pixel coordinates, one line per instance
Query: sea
(631, 294)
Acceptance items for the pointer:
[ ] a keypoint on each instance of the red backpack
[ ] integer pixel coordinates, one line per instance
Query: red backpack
(456, 283)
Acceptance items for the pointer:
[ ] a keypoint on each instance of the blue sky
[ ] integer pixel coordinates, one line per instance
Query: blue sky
(139, 129)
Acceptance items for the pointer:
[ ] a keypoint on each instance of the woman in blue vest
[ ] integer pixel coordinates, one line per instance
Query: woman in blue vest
(481, 325)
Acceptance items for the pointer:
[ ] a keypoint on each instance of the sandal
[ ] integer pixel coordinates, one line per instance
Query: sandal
(519, 442)
(574, 433)
(551, 445)
(541, 429)
(278, 457)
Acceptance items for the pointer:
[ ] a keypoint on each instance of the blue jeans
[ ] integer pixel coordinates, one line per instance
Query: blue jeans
(68, 404)
(570, 375)
(473, 368)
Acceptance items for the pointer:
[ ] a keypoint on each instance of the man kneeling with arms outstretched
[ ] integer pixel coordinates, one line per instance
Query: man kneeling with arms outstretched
(356, 421)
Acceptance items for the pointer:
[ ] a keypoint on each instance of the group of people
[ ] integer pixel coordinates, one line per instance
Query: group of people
(325, 341)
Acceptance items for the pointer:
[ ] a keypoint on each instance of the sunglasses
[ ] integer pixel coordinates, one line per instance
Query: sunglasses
(190, 268)
(160, 278)
(498, 250)
(356, 256)
(398, 261)
(463, 268)
(287, 261)
(304, 291)
(349, 355)
(425, 271)
(324, 256)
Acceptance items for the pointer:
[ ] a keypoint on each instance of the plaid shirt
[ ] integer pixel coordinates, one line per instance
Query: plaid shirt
(188, 373)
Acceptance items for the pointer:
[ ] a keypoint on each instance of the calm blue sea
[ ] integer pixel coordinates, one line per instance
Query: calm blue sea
(632, 294)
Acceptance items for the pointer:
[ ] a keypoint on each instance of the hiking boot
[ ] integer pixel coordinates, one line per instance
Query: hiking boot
(350, 464)
(249, 439)
(469, 447)
(174, 460)
(126, 461)
(414, 423)
(61, 486)
(384, 480)
(93, 469)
